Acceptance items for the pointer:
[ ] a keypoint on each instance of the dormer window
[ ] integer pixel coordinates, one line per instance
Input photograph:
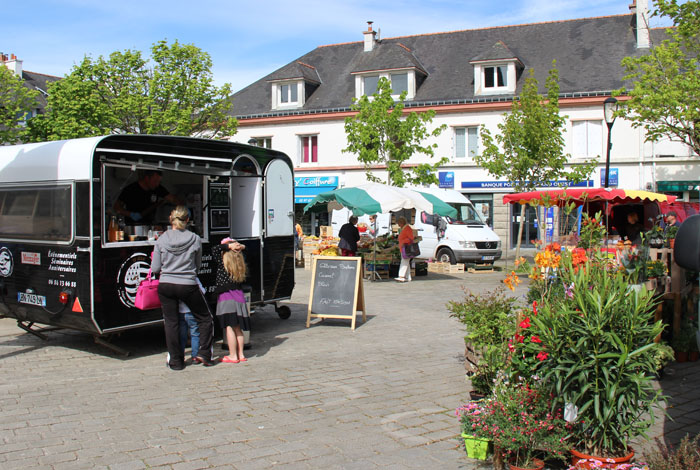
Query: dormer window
(496, 71)
(369, 84)
(288, 94)
(399, 83)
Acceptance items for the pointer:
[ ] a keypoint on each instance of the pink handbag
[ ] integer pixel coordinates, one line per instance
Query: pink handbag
(147, 294)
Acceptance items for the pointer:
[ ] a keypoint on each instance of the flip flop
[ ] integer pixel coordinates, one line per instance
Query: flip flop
(228, 360)
(245, 359)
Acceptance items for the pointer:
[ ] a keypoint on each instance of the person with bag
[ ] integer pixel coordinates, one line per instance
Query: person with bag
(231, 306)
(349, 236)
(405, 245)
(177, 256)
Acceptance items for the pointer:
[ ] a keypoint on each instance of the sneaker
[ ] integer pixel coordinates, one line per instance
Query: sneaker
(399, 279)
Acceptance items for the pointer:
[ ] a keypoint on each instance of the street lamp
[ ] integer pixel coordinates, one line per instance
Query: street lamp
(609, 110)
(254, 141)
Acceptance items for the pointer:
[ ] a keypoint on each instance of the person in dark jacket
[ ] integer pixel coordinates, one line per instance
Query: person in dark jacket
(177, 256)
(349, 236)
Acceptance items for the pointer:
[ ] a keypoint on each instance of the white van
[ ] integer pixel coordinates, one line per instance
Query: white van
(463, 239)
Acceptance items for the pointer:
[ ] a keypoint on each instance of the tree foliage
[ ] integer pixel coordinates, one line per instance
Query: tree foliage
(379, 135)
(170, 94)
(529, 147)
(665, 96)
(16, 100)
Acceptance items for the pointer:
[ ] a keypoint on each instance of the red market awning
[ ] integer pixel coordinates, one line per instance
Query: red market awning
(582, 195)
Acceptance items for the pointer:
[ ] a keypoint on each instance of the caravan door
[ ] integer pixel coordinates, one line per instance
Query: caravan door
(279, 199)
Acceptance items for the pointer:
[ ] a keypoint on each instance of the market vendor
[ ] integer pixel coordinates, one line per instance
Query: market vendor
(349, 236)
(633, 229)
(139, 201)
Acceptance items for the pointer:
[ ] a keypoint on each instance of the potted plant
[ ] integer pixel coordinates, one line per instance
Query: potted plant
(670, 235)
(518, 417)
(682, 342)
(594, 347)
(477, 441)
(685, 456)
(488, 319)
(655, 236)
(592, 231)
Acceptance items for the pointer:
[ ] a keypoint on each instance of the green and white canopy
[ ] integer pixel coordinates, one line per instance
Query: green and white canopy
(376, 198)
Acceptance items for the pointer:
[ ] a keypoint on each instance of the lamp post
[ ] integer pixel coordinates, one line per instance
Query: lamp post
(254, 141)
(609, 109)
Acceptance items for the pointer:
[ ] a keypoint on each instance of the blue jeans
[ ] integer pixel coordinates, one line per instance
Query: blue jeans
(188, 323)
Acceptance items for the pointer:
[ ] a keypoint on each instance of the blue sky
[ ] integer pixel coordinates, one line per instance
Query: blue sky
(249, 39)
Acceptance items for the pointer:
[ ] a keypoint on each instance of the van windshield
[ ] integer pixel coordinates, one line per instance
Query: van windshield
(466, 215)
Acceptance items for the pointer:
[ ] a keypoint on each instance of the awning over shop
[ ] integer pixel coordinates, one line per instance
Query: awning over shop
(677, 186)
(306, 188)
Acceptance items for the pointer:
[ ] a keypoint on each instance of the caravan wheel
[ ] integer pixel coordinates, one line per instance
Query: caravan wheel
(284, 312)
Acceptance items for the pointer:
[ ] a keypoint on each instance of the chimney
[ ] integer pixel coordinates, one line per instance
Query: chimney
(370, 37)
(13, 63)
(641, 10)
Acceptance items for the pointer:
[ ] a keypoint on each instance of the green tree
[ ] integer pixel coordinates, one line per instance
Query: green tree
(16, 101)
(170, 94)
(379, 134)
(665, 96)
(529, 148)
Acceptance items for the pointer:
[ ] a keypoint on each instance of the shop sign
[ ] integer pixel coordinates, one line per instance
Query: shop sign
(612, 180)
(315, 181)
(446, 179)
(509, 184)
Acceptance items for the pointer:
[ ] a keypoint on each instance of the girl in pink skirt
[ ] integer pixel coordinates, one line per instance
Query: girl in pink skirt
(231, 306)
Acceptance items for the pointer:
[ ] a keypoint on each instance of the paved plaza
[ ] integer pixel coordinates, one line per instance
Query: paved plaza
(326, 397)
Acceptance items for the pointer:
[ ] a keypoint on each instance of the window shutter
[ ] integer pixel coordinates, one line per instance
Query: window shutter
(473, 141)
(595, 138)
(460, 145)
(314, 149)
(305, 143)
(578, 137)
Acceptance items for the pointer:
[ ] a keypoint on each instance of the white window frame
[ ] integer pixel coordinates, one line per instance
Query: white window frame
(300, 150)
(480, 70)
(265, 142)
(592, 133)
(468, 154)
(410, 82)
(278, 88)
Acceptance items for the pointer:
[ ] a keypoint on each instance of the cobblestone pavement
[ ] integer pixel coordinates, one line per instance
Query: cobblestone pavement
(382, 396)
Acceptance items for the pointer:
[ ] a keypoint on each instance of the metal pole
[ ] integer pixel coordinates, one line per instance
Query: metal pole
(607, 158)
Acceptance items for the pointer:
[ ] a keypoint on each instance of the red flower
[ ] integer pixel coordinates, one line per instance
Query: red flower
(525, 323)
(536, 339)
(519, 338)
(534, 307)
(542, 355)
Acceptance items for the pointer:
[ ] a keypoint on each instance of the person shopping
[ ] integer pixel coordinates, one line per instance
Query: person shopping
(177, 256)
(231, 306)
(405, 238)
(349, 236)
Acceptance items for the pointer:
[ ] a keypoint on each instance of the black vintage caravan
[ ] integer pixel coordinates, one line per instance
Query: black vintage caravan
(58, 263)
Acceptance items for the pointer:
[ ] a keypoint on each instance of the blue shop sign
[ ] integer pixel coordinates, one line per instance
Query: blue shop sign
(509, 184)
(612, 180)
(446, 179)
(308, 187)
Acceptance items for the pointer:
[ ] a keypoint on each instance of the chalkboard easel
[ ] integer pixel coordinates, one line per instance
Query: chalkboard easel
(336, 289)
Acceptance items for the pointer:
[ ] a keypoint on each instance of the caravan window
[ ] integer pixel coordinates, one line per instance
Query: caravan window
(39, 213)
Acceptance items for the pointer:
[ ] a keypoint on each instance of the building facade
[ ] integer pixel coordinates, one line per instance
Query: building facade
(469, 78)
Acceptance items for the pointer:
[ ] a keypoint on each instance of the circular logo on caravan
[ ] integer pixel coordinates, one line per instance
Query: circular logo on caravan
(131, 273)
(5, 262)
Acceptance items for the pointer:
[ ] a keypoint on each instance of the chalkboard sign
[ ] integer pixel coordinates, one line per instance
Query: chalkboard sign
(336, 288)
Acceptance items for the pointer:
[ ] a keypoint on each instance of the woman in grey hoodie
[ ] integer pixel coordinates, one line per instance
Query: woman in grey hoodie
(177, 256)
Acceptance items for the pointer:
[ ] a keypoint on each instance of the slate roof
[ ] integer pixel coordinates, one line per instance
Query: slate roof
(588, 53)
(38, 82)
(498, 51)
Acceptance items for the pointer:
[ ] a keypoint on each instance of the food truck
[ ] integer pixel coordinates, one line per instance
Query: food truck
(61, 265)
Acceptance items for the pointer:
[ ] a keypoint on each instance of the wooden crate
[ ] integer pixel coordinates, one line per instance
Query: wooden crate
(326, 231)
(455, 268)
(439, 267)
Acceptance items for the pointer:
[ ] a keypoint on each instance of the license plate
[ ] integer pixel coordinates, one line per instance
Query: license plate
(31, 299)
(487, 258)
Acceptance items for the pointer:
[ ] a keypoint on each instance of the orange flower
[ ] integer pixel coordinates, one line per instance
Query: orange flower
(520, 261)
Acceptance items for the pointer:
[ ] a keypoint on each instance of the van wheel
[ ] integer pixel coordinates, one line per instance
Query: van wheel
(284, 312)
(445, 255)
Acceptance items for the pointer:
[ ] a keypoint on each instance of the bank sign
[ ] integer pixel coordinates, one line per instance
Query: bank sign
(509, 184)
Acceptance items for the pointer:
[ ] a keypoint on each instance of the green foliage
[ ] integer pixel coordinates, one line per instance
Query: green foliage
(172, 94)
(671, 232)
(684, 340)
(595, 350)
(519, 420)
(664, 355)
(592, 231)
(16, 101)
(529, 148)
(666, 91)
(655, 268)
(684, 457)
(489, 319)
(379, 134)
